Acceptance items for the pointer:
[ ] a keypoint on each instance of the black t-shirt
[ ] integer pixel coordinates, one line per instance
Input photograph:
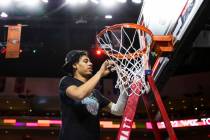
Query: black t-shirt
(80, 119)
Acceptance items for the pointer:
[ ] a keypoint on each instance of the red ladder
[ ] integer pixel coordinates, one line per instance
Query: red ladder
(130, 109)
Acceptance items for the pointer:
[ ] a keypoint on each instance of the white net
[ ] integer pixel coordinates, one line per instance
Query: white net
(129, 48)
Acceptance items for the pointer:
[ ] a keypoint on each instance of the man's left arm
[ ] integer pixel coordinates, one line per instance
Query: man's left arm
(118, 107)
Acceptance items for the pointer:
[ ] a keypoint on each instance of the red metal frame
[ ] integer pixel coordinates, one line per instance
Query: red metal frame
(130, 109)
(151, 118)
(129, 113)
(162, 109)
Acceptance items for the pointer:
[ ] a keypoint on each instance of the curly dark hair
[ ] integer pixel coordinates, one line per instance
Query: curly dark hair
(71, 58)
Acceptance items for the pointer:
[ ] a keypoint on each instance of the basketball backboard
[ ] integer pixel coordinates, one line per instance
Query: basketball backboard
(164, 17)
(158, 20)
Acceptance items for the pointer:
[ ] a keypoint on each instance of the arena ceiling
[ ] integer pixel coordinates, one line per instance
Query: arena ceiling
(57, 28)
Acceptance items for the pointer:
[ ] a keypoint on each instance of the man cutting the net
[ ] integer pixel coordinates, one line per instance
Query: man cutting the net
(80, 101)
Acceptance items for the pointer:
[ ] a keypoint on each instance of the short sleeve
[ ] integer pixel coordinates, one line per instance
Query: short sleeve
(65, 82)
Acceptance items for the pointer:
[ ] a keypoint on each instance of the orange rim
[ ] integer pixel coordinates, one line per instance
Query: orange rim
(127, 25)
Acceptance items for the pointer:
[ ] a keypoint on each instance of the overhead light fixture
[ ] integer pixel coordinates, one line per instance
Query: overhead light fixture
(122, 1)
(137, 1)
(76, 2)
(5, 3)
(45, 1)
(83, 1)
(81, 20)
(95, 1)
(108, 16)
(4, 15)
(32, 3)
(72, 2)
(108, 3)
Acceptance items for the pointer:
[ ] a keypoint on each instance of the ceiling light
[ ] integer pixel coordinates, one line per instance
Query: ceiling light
(72, 2)
(108, 3)
(5, 3)
(108, 16)
(4, 15)
(81, 20)
(45, 1)
(83, 1)
(94, 1)
(137, 1)
(32, 3)
(34, 51)
(122, 1)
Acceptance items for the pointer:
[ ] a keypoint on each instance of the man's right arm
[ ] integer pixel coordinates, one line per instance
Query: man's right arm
(80, 92)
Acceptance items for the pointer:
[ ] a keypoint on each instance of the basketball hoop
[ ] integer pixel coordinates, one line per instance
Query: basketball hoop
(129, 46)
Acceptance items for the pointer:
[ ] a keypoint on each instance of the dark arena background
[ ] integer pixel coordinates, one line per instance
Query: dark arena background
(29, 77)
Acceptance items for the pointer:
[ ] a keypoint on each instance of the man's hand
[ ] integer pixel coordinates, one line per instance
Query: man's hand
(106, 68)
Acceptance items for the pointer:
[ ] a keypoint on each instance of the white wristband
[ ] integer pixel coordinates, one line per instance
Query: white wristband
(118, 107)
